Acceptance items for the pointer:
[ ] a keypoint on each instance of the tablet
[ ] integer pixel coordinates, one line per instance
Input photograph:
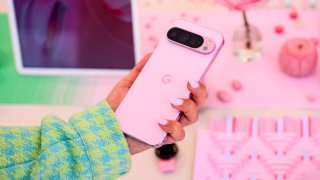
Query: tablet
(71, 37)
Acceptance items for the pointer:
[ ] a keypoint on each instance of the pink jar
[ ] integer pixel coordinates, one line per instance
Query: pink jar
(298, 57)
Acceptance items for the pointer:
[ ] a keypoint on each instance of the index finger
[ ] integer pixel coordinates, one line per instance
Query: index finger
(198, 91)
(132, 76)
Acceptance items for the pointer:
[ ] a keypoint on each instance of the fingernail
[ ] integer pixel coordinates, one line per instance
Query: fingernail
(194, 84)
(163, 122)
(177, 102)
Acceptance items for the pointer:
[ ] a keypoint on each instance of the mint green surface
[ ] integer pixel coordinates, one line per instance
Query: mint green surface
(18, 89)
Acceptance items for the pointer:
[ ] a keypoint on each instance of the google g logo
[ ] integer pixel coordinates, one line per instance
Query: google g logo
(166, 79)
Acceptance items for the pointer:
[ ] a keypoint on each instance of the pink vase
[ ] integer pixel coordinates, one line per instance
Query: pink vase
(298, 57)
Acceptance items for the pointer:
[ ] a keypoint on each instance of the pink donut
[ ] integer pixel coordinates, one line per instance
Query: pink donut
(298, 57)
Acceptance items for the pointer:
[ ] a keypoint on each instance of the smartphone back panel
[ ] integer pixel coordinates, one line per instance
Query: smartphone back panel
(164, 77)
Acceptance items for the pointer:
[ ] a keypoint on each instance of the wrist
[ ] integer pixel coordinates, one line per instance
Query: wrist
(136, 146)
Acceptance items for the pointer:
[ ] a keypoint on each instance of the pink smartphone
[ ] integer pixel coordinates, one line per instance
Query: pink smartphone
(185, 53)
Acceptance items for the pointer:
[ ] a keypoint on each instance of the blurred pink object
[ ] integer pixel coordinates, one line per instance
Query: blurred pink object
(246, 38)
(279, 29)
(241, 5)
(236, 85)
(167, 165)
(311, 97)
(223, 96)
(294, 14)
(120, 9)
(315, 41)
(275, 148)
(298, 57)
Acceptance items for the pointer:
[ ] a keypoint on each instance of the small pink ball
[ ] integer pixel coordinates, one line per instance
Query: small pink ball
(236, 85)
(223, 96)
(298, 57)
(279, 29)
(293, 14)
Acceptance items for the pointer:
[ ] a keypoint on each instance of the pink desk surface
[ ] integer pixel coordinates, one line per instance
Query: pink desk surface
(264, 149)
(264, 85)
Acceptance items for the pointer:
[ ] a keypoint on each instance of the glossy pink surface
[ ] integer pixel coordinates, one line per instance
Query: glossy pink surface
(164, 77)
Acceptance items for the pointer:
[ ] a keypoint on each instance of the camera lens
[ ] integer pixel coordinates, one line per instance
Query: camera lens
(184, 37)
(195, 41)
(199, 41)
(173, 33)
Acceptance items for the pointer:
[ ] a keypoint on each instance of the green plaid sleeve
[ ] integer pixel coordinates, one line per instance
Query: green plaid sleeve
(91, 145)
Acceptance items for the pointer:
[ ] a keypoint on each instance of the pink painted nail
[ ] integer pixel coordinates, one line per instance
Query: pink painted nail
(163, 122)
(194, 84)
(177, 102)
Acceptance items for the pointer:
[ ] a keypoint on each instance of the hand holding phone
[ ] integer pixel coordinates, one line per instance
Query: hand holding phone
(175, 130)
(184, 54)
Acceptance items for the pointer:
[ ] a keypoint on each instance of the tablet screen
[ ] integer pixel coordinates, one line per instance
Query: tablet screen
(75, 34)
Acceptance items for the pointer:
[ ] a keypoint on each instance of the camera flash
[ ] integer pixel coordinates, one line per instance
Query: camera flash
(208, 42)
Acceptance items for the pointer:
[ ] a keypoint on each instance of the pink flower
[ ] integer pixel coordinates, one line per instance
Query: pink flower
(241, 5)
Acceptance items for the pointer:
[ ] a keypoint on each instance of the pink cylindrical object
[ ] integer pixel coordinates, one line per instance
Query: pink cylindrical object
(298, 57)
